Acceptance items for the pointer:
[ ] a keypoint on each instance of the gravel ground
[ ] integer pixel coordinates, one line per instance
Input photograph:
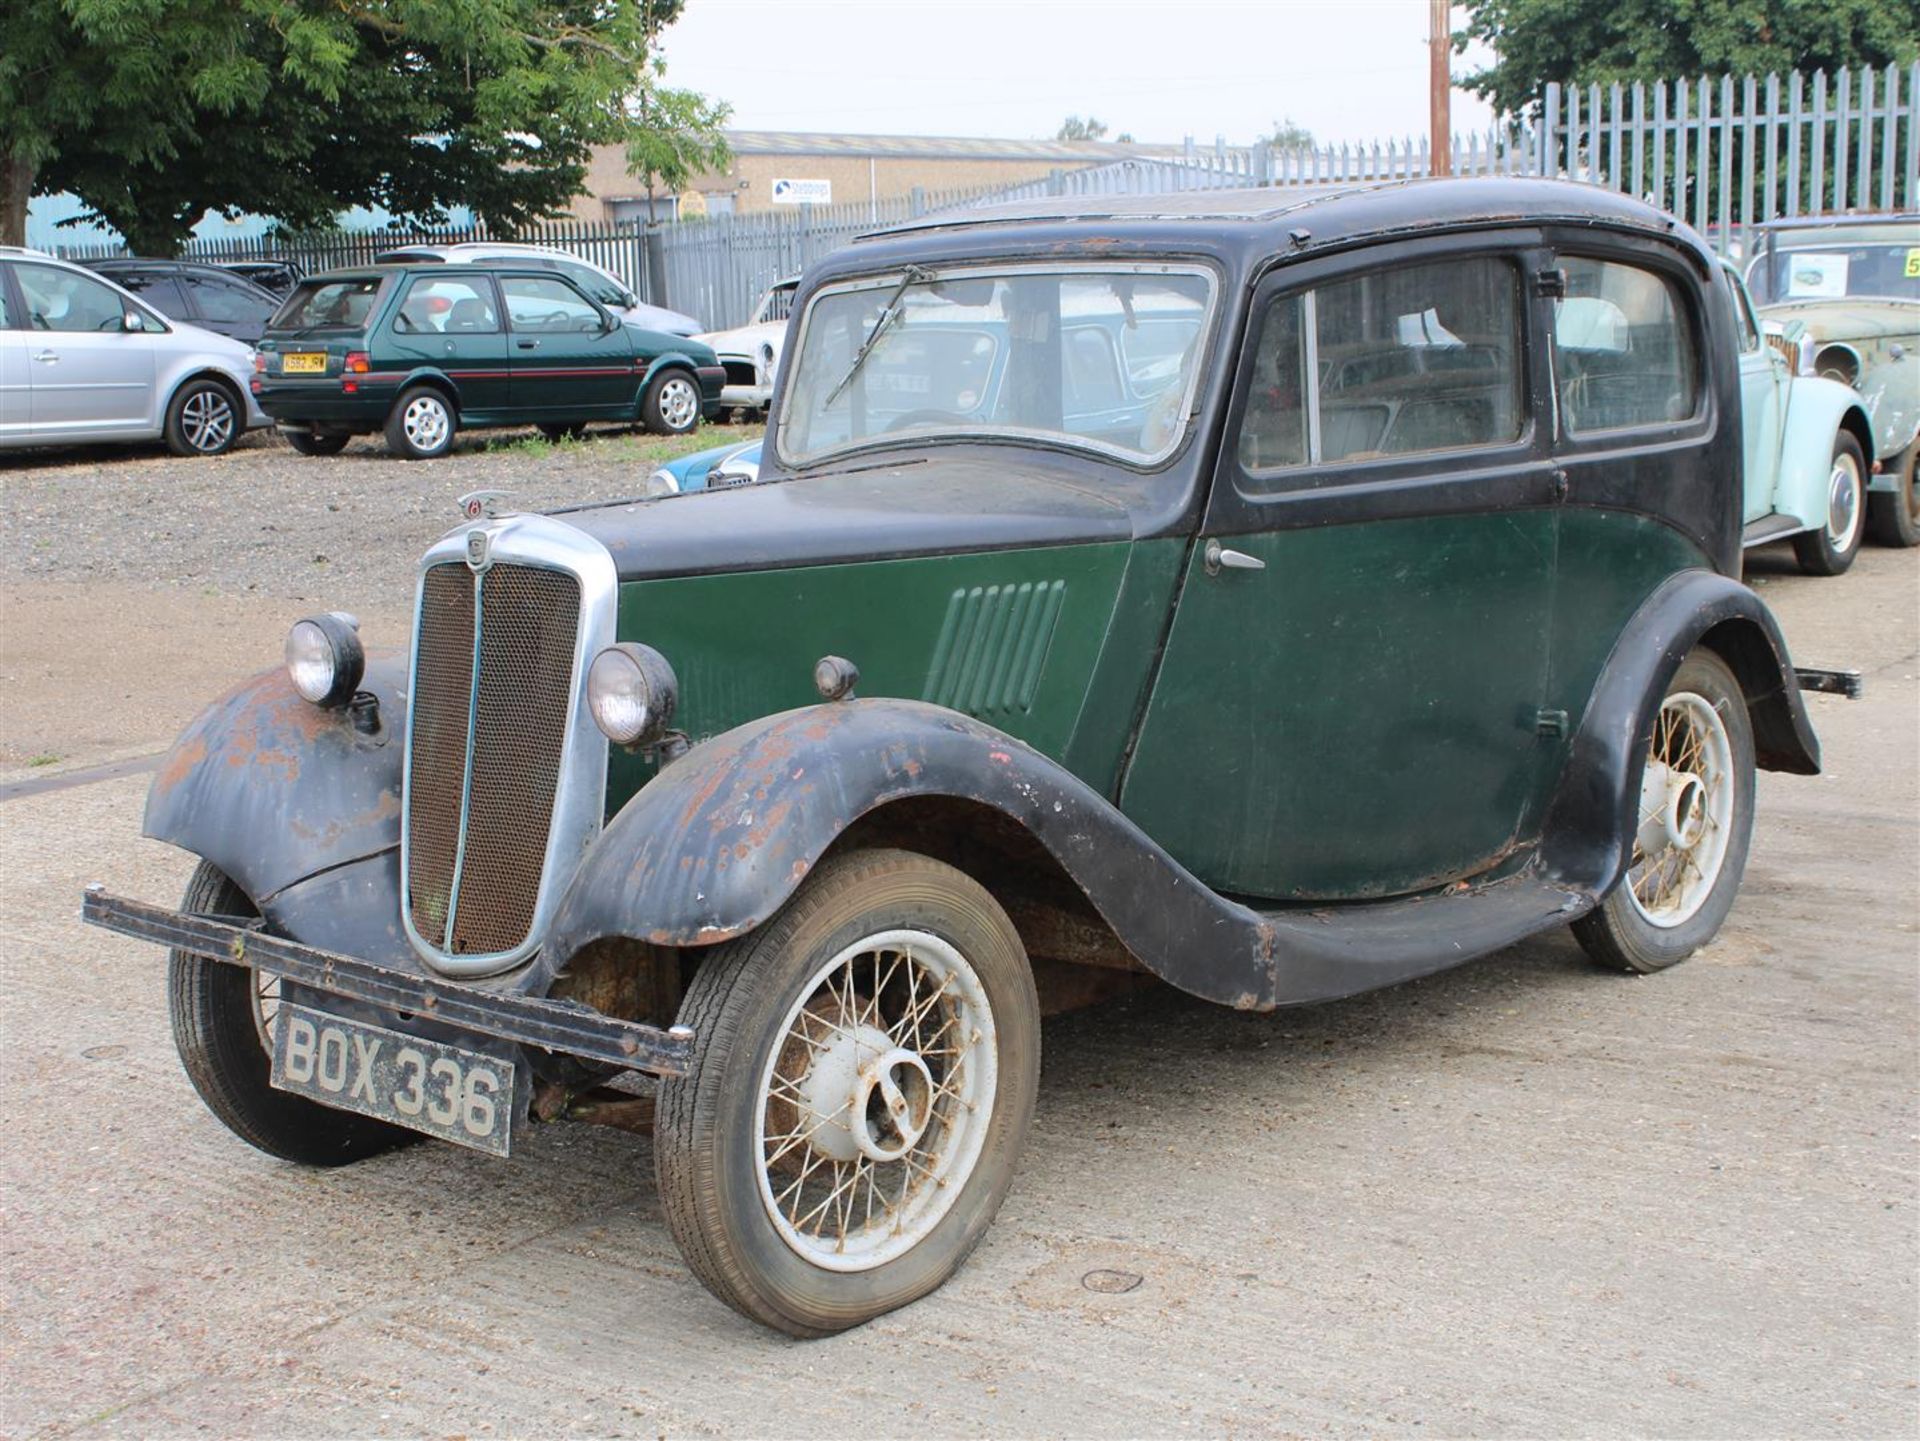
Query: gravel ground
(263, 521)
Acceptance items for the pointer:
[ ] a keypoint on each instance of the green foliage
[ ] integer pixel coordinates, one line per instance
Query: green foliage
(1585, 42)
(1286, 135)
(677, 134)
(1074, 128)
(154, 111)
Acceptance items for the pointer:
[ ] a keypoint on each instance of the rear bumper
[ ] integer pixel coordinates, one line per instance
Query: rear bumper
(303, 402)
(566, 1027)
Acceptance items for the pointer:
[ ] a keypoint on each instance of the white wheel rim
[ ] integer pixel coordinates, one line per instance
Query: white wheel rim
(875, 1100)
(206, 419)
(266, 1005)
(678, 403)
(1843, 503)
(1686, 812)
(425, 422)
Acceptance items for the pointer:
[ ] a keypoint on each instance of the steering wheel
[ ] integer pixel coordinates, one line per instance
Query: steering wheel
(924, 417)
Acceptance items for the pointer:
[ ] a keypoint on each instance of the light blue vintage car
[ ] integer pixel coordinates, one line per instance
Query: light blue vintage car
(1808, 448)
(736, 463)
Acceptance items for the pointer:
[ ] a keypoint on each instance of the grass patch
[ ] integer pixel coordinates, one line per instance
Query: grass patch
(45, 758)
(630, 447)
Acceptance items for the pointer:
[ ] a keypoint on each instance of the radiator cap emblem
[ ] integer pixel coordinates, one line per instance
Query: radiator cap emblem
(477, 503)
(479, 548)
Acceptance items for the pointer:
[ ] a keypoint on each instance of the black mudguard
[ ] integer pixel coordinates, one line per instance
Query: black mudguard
(298, 806)
(1587, 839)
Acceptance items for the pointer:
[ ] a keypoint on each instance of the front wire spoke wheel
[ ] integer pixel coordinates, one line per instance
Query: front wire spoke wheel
(874, 1101)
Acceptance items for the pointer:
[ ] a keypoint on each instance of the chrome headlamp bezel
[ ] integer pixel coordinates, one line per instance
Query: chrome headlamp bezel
(324, 658)
(632, 693)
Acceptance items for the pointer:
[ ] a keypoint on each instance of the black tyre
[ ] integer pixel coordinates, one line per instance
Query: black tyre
(222, 1018)
(316, 442)
(572, 430)
(205, 417)
(1893, 516)
(672, 403)
(860, 1095)
(1830, 550)
(1696, 819)
(422, 423)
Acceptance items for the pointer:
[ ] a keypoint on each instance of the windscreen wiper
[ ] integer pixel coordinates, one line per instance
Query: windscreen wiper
(911, 276)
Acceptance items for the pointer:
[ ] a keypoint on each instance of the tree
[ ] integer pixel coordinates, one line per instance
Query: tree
(1074, 128)
(678, 133)
(1585, 42)
(1287, 135)
(156, 111)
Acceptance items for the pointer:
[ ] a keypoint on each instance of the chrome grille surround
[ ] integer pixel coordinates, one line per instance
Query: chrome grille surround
(579, 793)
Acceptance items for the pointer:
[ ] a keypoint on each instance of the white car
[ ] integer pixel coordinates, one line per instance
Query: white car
(751, 353)
(82, 360)
(604, 286)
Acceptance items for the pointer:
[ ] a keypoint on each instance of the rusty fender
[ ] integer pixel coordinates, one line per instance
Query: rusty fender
(296, 804)
(714, 845)
(1590, 823)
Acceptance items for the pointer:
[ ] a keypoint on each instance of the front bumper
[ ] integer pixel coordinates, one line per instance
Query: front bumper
(566, 1027)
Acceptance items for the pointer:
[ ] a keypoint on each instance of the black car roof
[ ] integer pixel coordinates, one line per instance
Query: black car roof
(1254, 222)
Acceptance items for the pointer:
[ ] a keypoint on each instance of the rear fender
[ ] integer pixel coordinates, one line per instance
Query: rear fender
(1586, 841)
(273, 789)
(1817, 411)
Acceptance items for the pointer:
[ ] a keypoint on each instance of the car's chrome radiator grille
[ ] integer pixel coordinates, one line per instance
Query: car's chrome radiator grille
(491, 695)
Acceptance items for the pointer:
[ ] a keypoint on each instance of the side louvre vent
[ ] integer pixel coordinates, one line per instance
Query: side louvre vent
(993, 646)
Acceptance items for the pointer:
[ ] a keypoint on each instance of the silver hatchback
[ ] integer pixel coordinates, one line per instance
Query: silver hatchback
(81, 360)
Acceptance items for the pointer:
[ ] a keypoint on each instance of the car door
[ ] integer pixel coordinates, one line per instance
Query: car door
(571, 360)
(89, 374)
(450, 321)
(14, 393)
(228, 306)
(1763, 401)
(1350, 699)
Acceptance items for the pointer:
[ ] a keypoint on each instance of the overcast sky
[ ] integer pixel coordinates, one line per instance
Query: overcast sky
(1354, 71)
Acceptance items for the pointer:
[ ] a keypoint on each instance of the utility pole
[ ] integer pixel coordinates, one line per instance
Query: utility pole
(1440, 86)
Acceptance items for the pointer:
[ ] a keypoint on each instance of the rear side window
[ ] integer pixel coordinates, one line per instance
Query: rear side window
(224, 301)
(1623, 351)
(1415, 359)
(329, 304)
(448, 304)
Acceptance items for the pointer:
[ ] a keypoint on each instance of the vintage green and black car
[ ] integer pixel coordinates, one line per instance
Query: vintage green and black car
(1398, 626)
(421, 351)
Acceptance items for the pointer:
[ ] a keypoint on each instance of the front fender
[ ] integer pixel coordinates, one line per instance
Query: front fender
(272, 789)
(1817, 411)
(719, 841)
(1586, 841)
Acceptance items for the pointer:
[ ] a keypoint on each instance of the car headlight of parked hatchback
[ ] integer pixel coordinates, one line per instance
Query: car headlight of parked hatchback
(632, 692)
(325, 660)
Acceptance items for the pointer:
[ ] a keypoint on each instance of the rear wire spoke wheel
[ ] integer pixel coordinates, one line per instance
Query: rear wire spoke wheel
(861, 1090)
(224, 1017)
(1694, 821)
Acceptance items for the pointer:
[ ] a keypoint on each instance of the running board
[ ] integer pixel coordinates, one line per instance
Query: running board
(1773, 527)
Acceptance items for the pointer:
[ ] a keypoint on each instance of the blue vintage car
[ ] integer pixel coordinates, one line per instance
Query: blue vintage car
(736, 463)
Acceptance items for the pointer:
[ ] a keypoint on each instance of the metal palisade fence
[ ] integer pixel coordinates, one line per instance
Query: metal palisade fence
(1723, 153)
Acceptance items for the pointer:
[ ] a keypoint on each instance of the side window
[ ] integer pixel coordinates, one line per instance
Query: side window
(449, 305)
(1623, 352)
(7, 319)
(593, 282)
(61, 300)
(162, 292)
(221, 301)
(536, 303)
(1416, 359)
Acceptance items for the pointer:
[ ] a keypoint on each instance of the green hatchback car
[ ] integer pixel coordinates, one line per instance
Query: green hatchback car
(420, 352)
(1279, 594)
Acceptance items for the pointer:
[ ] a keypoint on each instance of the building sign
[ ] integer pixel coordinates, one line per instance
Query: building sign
(803, 192)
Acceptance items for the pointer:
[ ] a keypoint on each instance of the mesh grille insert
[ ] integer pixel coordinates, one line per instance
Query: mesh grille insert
(528, 624)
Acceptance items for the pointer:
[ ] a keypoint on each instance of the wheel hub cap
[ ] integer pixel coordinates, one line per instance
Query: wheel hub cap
(1843, 504)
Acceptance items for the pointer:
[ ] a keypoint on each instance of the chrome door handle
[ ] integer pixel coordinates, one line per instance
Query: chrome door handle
(1218, 558)
(47, 357)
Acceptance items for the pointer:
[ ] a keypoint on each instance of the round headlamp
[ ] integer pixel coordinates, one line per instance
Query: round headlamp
(662, 482)
(632, 691)
(324, 658)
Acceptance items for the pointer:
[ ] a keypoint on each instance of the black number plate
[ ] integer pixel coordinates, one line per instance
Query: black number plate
(460, 1096)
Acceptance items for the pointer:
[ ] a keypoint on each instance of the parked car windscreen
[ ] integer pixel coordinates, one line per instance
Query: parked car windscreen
(1095, 357)
(1827, 269)
(329, 304)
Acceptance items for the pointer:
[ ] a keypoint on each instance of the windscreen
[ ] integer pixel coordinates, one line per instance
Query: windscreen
(1099, 357)
(1827, 268)
(329, 304)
